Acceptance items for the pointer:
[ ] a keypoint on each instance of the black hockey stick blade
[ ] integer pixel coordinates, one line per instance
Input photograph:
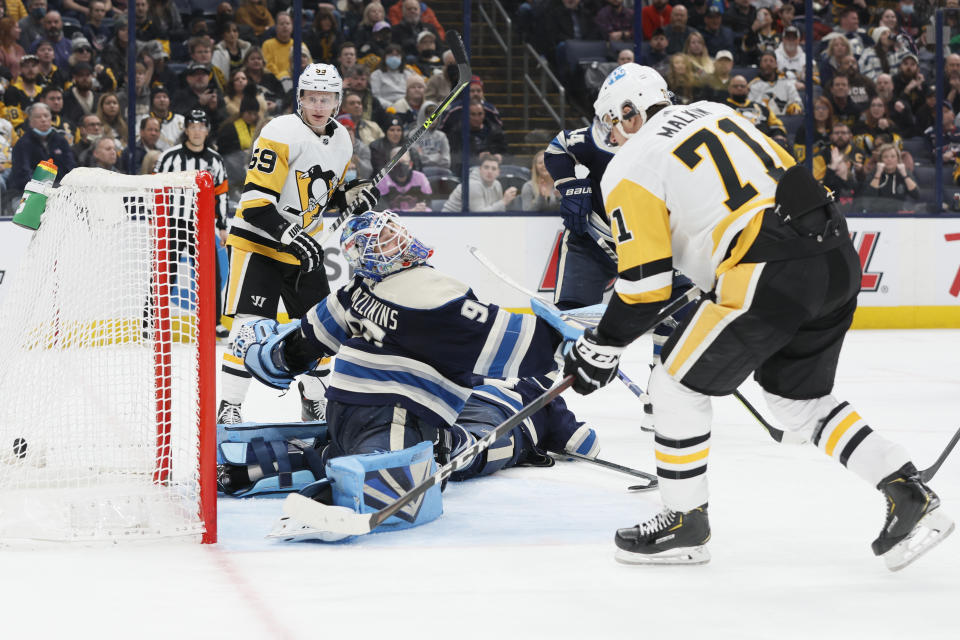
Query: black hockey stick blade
(775, 433)
(341, 520)
(927, 474)
(613, 466)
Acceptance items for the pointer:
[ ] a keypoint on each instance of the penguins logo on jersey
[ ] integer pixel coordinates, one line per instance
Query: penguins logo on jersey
(314, 188)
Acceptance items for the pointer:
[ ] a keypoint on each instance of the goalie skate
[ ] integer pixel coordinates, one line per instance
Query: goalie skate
(670, 537)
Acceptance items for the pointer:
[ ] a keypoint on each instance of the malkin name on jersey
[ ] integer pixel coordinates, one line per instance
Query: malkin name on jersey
(679, 120)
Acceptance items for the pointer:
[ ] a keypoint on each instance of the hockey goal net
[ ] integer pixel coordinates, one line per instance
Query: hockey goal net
(107, 364)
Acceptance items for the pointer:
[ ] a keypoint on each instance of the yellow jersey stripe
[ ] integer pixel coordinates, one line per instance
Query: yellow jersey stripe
(743, 244)
(646, 237)
(270, 166)
(839, 430)
(657, 295)
(749, 208)
(254, 247)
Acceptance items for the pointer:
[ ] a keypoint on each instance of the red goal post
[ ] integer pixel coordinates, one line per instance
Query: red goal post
(108, 364)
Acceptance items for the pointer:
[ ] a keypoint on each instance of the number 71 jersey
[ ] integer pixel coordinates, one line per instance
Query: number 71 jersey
(687, 192)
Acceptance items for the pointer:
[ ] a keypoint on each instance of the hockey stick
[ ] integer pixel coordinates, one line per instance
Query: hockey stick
(651, 479)
(455, 43)
(927, 474)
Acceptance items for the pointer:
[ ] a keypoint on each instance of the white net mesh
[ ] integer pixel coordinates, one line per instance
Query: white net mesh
(99, 404)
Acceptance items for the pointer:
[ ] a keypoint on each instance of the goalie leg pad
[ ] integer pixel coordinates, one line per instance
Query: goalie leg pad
(368, 482)
(283, 457)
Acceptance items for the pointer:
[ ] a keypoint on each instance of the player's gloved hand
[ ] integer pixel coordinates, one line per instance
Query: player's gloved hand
(361, 196)
(592, 365)
(576, 203)
(304, 246)
(260, 345)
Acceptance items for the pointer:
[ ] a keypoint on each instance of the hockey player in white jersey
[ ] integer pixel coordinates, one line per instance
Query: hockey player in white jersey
(296, 171)
(700, 189)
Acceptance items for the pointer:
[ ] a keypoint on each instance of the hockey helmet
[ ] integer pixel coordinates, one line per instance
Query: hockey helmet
(320, 77)
(377, 244)
(197, 115)
(630, 85)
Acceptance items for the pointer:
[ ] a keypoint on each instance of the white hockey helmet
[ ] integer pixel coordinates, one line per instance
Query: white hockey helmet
(320, 77)
(629, 85)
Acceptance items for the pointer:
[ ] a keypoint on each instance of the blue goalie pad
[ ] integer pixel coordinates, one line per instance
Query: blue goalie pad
(570, 323)
(259, 344)
(287, 455)
(368, 482)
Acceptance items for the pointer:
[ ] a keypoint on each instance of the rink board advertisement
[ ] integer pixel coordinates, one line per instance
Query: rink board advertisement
(911, 266)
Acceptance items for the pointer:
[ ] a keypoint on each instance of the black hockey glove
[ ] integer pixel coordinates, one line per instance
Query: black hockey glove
(304, 246)
(363, 191)
(592, 365)
(576, 204)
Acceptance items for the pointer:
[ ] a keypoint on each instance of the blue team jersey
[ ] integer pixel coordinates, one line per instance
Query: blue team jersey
(418, 338)
(576, 146)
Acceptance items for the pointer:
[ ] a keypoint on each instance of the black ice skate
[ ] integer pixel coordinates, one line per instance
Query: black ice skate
(312, 410)
(914, 522)
(670, 537)
(229, 413)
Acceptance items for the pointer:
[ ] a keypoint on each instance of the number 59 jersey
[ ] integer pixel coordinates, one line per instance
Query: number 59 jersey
(688, 192)
(292, 171)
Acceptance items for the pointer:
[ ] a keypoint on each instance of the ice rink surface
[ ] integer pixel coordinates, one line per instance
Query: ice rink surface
(528, 553)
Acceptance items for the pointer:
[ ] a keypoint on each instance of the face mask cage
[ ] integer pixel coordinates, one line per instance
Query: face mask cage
(377, 244)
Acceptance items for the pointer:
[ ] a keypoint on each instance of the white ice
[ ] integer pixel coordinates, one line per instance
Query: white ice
(529, 553)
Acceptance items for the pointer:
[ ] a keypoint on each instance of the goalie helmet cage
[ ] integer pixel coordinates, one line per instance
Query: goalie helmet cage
(107, 364)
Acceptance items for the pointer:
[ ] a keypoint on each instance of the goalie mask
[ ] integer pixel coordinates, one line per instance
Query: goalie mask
(629, 90)
(377, 244)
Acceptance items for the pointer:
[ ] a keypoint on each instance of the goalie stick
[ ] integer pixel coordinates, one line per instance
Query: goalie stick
(345, 521)
(455, 44)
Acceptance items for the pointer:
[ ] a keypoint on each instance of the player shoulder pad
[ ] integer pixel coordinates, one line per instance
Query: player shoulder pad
(287, 129)
(421, 287)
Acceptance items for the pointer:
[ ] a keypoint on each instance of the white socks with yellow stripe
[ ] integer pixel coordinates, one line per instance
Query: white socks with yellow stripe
(234, 378)
(682, 441)
(839, 431)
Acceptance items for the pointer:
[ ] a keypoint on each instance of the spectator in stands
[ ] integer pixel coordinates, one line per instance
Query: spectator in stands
(678, 30)
(950, 150)
(50, 72)
(381, 147)
(862, 89)
(10, 49)
(358, 80)
(23, 91)
(681, 79)
(112, 119)
(389, 82)
(366, 130)
(268, 86)
(844, 110)
(883, 56)
(145, 28)
(362, 166)
(40, 141)
(141, 80)
(346, 57)
(791, 58)
(538, 193)
(89, 131)
(409, 105)
(891, 179)
(849, 27)
(104, 155)
(171, 124)
(717, 35)
(434, 147)
(428, 62)
(695, 49)
(229, 52)
(201, 93)
(144, 155)
(655, 15)
(822, 126)
(237, 90)
(909, 83)
(276, 50)
(256, 15)
(761, 117)
(103, 77)
(840, 177)
(784, 16)
(953, 89)
(404, 188)
(715, 85)
(166, 17)
(373, 13)
(486, 192)
(96, 29)
(625, 56)
(899, 110)
(740, 16)
(398, 11)
(908, 18)
(31, 26)
(484, 136)
(80, 99)
(654, 52)
(240, 130)
(873, 123)
(406, 30)
(615, 22)
(371, 53)
(324, 37)
(773, 89)
(491, 114)
(762, 36)
(841, 140)
(114, 55)
(52, 96)
(837, 49)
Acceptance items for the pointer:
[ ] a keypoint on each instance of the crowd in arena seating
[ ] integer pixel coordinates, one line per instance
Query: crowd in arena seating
(63, 69)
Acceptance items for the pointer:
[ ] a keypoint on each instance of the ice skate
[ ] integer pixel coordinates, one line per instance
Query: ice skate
(229, 413)
(914, 523)
(312, 410)
(670, 537)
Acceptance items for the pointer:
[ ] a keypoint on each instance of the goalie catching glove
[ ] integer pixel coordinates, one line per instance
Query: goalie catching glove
(576, 203)
(591, 364)
(301, 244)
(270, 352)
